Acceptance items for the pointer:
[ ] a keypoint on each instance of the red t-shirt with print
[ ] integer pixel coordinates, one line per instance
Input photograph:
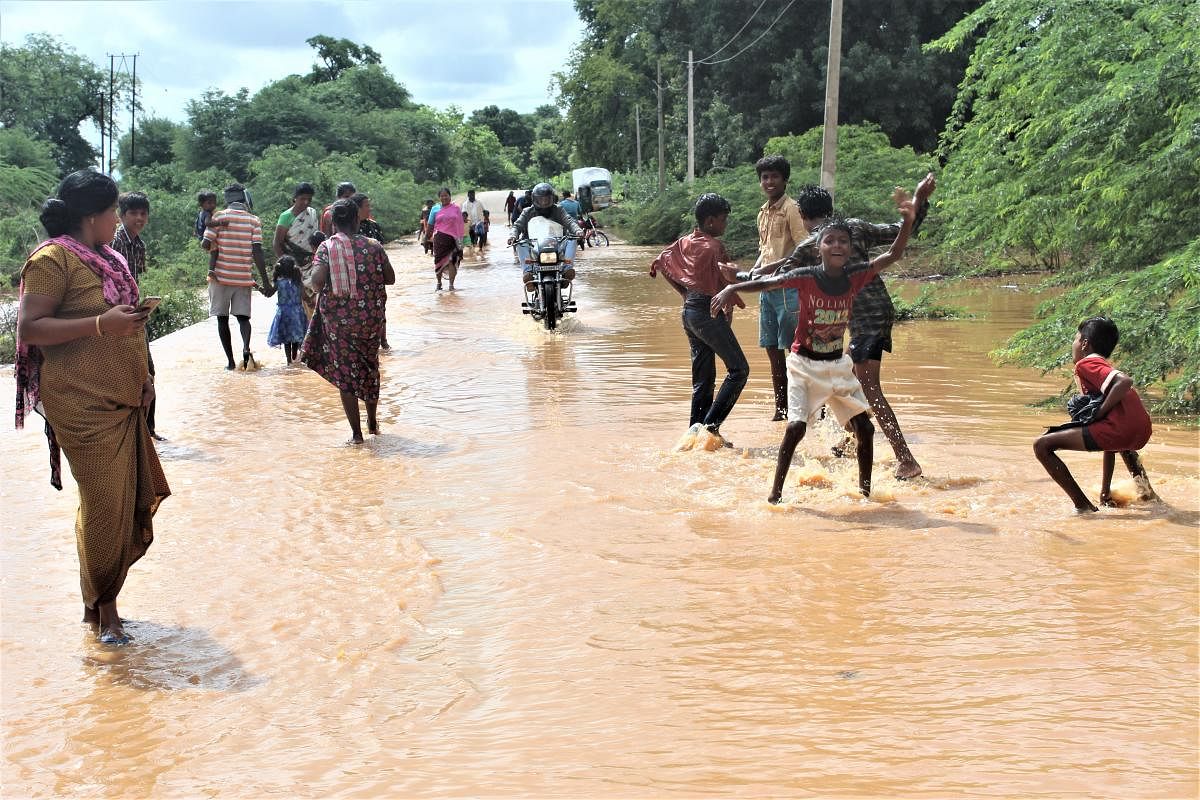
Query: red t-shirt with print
(825, 304)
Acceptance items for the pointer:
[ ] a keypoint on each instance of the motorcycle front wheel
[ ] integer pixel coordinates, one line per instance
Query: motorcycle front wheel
(550, 303)
(597, 239)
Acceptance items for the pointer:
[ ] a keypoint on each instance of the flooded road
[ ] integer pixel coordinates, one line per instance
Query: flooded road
(518, 589)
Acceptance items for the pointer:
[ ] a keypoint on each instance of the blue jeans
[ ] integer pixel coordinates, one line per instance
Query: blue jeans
(709, 337)
(568, 254)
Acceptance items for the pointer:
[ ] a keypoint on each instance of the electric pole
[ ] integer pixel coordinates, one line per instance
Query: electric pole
(637, 133)
(833, 71)
(662, 146)
(691, 139)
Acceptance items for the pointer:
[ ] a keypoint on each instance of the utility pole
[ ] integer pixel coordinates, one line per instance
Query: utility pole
(662, 146)
(112, 132)
(108, 117)
(132, 111)
(103, 120)
(833, 73)
(691, 139)
(637, 133)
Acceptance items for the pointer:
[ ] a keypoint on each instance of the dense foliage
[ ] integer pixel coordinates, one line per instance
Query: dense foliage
(769, 81)
(868, 168)
(1075, 144)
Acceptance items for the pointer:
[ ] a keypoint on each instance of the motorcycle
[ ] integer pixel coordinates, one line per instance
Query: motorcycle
(551, 297)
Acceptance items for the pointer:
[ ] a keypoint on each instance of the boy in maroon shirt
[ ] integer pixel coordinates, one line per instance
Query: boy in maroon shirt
(819, 372)
(1119, 424)
(697, 267)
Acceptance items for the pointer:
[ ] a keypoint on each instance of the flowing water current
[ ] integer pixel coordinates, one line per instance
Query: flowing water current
(520, 589)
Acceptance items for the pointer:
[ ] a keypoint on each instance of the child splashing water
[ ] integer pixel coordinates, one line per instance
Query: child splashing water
(818, 371)
(290, 324)
(1116, 422)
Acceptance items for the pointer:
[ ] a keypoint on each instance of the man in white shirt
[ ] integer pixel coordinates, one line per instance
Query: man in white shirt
(474, 211)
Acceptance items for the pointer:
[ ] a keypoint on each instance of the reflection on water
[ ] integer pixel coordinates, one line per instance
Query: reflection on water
(521, 588)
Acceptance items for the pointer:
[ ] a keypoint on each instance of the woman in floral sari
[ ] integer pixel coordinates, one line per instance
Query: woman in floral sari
(342, 344)
(81, 363)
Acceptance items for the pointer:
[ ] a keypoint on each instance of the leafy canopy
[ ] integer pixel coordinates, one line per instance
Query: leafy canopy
(1076, 138)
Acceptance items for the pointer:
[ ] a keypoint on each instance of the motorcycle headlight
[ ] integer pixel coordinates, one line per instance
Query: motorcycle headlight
(548, 258)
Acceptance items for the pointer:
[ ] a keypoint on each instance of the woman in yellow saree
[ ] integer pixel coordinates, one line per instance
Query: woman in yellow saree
(81, 363)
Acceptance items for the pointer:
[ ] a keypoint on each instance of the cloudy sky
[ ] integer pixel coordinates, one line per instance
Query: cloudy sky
(446, 52)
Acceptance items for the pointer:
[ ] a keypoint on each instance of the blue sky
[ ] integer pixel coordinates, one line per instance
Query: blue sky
(468, 54)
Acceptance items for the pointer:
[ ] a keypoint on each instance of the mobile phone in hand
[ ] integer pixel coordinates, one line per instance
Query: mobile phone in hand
(148, 304)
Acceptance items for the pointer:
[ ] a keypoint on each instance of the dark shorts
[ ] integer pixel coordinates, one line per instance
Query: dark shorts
(869, 348)
(1089, 443)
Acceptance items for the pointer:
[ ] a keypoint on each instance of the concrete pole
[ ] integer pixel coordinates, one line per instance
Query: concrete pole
(637, 133)
(691, 136)
(662, 140)
(132, 120)
(833, 71)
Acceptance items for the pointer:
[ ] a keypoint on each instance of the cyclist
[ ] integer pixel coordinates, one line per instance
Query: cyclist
(544, 205)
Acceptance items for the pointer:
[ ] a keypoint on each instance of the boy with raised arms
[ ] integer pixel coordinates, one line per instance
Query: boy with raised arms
(819, 372)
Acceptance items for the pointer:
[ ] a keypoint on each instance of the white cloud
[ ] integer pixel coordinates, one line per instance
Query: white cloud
(468, 54)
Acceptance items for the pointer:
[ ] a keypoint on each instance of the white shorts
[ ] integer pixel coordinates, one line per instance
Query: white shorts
(812, 384)
(224, 300)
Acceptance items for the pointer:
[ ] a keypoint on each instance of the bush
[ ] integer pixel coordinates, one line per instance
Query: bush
(868, 168)
(925, 306)
(183, 303)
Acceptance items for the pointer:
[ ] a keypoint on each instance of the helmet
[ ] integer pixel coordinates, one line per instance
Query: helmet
(543, 195)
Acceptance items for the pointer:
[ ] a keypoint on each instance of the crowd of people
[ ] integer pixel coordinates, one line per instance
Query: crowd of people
(84, 363)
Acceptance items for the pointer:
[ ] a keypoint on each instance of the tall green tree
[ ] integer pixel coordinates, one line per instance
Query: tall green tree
(511, 128)
(337, 56)
(155, 142)
(211, 142)
(599, 93)
(49, 90)
(1075, 139)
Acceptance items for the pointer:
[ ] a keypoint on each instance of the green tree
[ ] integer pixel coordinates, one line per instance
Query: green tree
(18, 148)
(211, 141)
(511, 128)
(772, 73)
(337, 56)
(283, 113)
(48, 89)
(1075, 139)
(361, 88)
(480, 159)
(547, 158)
(155, 143)
(599, 93)
(416, 140)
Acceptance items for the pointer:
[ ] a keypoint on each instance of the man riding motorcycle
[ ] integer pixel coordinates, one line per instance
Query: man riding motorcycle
(544, 206)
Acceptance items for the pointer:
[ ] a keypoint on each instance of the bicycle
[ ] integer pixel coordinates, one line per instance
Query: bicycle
(593, 236)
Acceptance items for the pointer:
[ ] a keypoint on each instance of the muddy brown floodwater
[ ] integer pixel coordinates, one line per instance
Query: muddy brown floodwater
(518, 589)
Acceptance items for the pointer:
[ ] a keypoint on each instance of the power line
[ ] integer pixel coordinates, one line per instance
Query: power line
(736, 35)
(761, 35)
